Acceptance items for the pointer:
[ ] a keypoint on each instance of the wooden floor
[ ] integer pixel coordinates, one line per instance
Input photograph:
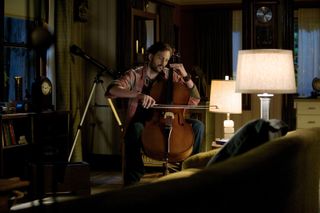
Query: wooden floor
(102, 180)
(105, 180)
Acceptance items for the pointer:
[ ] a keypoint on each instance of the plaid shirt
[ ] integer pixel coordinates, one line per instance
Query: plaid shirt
(134, 79)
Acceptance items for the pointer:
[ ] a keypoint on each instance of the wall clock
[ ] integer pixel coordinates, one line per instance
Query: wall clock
(265, 26)
(46, 86)
(42, 94)
(264, 14)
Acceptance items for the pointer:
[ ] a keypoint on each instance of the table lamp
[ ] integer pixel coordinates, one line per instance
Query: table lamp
(223, 95)
(265, 72)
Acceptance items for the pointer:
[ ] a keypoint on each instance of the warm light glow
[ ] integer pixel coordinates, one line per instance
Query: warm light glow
(227, 100)
(223, 95)
(137, 46)
(265, 72)
(228, 123)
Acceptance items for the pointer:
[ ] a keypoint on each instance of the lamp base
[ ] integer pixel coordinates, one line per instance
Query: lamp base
(228, 128)
(265, 99)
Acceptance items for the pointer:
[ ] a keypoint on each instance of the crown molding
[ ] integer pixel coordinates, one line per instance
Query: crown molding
(203, 2)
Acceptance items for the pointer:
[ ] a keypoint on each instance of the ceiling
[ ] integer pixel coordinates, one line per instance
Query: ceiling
(197, 2)
(193, 2)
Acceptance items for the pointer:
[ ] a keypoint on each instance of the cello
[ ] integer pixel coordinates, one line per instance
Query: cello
(167, 136)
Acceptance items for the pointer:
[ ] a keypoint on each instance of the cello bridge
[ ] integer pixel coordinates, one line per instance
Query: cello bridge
(169, 114)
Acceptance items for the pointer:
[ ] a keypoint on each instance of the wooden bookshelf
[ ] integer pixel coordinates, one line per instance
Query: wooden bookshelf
(32, 137)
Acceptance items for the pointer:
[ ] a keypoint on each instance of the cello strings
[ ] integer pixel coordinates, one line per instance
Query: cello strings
(170, 106)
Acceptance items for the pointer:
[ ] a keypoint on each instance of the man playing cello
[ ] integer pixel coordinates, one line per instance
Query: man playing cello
(136, 84)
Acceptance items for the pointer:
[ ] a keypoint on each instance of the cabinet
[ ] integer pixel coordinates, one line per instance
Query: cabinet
(32, 137)
(15, 137)
(307, 113)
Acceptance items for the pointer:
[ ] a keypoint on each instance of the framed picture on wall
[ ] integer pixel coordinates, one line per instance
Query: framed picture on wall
(81, 10)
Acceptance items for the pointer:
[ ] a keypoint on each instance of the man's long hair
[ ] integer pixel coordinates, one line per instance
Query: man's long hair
(159, 47)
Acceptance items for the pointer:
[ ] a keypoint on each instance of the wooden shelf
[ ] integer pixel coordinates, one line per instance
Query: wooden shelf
(32, 137)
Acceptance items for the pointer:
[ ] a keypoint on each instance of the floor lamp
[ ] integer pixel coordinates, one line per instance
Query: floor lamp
(265, 72)
(223, 94)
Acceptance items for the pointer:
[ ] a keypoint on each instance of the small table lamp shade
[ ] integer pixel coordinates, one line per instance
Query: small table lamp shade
(265, 72)
(227, 100)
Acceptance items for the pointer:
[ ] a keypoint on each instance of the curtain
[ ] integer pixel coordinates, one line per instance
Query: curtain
(236, 39)
(69, 77)
(166, 25)
(213, 39)
(308, 49)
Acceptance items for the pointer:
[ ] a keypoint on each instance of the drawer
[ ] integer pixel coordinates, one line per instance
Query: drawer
(307, 121)
(308, 108)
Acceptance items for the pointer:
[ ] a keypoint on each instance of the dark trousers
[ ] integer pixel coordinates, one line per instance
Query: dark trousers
(134, 167)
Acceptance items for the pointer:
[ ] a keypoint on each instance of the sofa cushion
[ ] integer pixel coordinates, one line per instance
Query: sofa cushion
(251, 135)
(199, 160)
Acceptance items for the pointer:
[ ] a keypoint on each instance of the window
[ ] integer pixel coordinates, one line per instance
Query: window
(236, 38)
(307, 48)
(18, 19)
(19, 60)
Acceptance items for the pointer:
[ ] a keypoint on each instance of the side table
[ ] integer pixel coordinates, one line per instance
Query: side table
(214, 145)
(218, 143)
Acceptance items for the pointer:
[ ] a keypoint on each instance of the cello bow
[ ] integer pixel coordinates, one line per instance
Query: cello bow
(183, 106)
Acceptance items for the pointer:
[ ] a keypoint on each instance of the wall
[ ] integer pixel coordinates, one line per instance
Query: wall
(103, 131)
(20, 8)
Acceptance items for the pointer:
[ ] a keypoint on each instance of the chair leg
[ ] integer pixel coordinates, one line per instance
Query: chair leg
(165, 167)
(175, 167)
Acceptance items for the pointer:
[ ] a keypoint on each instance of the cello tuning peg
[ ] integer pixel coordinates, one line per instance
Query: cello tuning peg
(177, 55)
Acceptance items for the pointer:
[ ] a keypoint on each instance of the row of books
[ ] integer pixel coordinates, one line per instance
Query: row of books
(8, 136)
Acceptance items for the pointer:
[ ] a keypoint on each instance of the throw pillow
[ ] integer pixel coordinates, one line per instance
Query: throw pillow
(249, 136)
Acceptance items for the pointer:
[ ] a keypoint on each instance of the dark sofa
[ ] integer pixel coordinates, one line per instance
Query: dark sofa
(281, 175)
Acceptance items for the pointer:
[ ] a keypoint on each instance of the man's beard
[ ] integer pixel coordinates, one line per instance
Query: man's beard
(156, 68)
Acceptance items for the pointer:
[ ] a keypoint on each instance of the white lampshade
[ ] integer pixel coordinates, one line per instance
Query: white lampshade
(224, 96)
(265, 71)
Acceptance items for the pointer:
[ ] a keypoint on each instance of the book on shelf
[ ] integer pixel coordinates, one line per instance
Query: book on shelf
(5, 132)
(221, 141)
(12, 135)
(8, 135)
(2, 137)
